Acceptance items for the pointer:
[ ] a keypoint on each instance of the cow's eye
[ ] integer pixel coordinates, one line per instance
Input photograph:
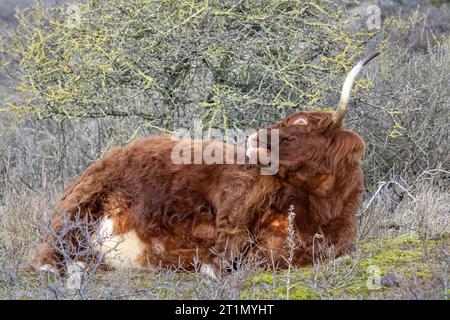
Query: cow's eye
(301, 121)
(290, 139)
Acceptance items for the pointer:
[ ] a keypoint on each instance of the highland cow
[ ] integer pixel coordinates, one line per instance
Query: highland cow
(135, 207)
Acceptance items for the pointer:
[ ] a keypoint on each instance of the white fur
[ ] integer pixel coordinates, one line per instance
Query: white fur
(253, 140)
(208, 270)
(252, 155)
(119, 251)
(252, 148)
(106, 229)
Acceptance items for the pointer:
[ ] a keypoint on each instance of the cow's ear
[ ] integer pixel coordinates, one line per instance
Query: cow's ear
(346, 147)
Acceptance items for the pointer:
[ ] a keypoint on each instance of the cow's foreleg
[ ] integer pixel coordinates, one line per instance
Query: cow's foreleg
(335, 238)
(340, 233)
(231, 240)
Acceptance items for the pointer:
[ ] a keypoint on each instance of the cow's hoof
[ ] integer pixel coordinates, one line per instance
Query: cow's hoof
(75, 267)
(47, 269)
(210, 271)
(75, 275)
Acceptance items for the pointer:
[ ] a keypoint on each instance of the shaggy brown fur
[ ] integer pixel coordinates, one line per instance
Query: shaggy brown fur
(195, 211)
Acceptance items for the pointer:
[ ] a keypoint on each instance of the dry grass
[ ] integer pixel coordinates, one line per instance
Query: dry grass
(407, 239)
(404, 228)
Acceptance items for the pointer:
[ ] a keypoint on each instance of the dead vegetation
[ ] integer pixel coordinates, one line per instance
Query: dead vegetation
(403, 253)
(404, 229)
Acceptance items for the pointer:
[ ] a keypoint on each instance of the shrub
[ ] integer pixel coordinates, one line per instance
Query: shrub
(227, 63)
(404, 118)
(137, 67)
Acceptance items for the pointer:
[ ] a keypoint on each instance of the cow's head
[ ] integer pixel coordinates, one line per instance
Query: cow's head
(313, 143)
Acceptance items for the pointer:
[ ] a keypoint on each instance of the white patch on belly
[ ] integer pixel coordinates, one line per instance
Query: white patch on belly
(118, 251)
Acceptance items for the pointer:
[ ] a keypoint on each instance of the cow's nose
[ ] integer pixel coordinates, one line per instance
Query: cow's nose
(252, 141)
(264, 138)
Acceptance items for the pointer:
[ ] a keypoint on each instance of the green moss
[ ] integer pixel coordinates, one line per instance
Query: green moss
(274, 285)
(392, 259)
(403, 241)
(264, 277)
(422, 271)
(438, 2)
(403, 255)
(141, 280)
(298, 291)
(347, 276)
(357, 288)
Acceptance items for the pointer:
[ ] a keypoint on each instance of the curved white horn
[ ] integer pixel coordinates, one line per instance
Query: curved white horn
(339, 114)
